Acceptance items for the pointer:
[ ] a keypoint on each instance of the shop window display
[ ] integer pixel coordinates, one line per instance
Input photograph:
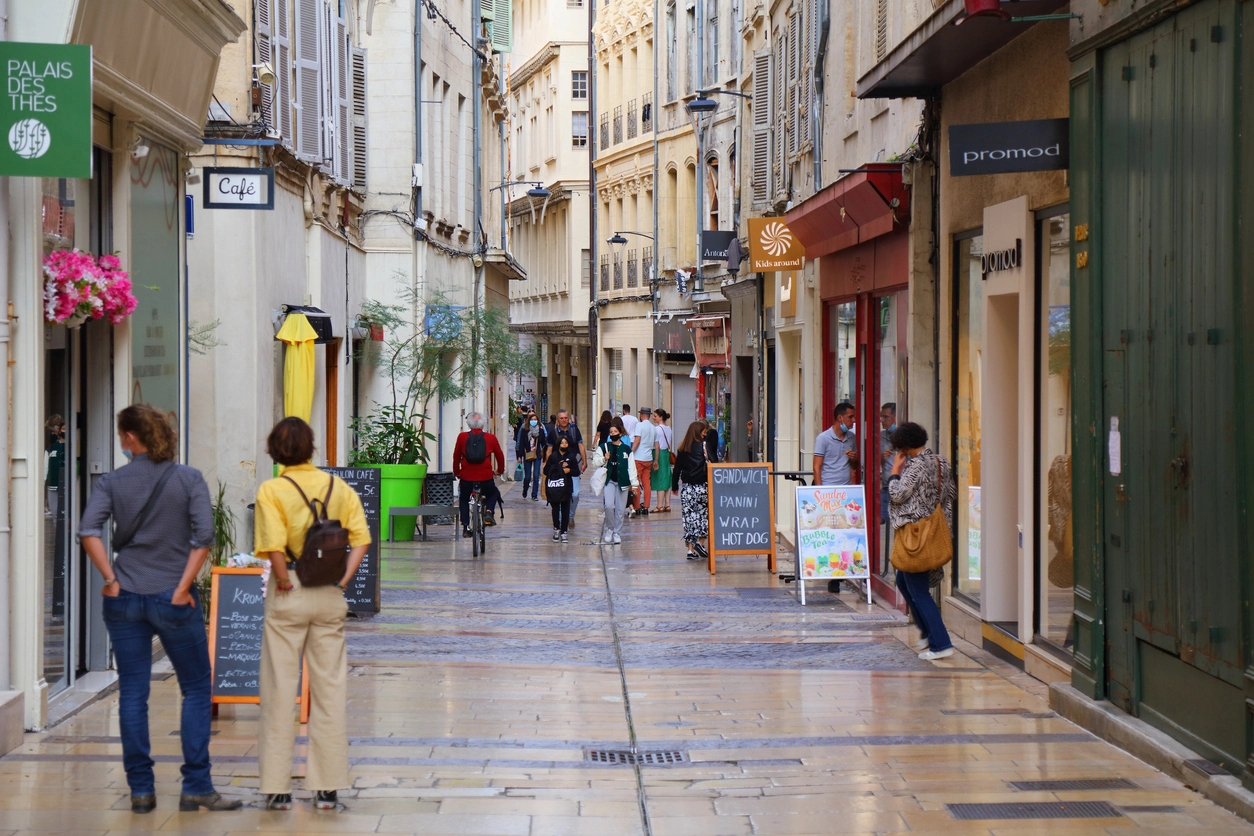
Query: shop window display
(969, 334)
(1056, 540)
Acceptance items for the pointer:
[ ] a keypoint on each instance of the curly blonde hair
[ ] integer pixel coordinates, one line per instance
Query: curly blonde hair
(152, 428)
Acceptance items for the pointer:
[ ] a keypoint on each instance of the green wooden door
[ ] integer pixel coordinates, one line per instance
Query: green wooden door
(1166, 235)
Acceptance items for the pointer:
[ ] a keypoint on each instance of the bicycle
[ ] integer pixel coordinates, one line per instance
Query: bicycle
(478, 533)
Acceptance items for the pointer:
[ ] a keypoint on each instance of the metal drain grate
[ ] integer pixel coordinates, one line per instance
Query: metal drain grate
(1149, 808)
(631, 758)
(874, 618)
(1035, 810)
(1205, 767)
(1080, 784)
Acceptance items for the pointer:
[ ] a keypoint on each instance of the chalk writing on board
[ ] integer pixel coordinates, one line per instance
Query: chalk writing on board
(363, 590)
(741, 508)
(239, 624)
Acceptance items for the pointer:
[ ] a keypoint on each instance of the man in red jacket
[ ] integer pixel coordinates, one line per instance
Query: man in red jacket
(477, 459)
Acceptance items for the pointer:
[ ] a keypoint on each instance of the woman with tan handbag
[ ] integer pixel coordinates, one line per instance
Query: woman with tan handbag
(921, 494)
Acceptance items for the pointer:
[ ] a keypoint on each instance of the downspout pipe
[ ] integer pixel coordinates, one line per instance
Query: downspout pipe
(476, 26)
(657, 238)
(594, 206)
(6, 446)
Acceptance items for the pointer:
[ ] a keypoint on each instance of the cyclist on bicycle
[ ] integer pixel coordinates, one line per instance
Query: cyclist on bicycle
(477, 459)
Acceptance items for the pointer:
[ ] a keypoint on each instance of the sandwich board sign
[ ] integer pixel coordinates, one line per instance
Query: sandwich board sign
(742, 511)
(832, 536)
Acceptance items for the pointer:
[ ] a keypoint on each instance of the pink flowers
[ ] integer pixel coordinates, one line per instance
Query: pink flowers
(78, 287)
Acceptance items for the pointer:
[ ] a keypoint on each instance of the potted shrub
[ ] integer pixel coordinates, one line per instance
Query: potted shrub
(390, 439)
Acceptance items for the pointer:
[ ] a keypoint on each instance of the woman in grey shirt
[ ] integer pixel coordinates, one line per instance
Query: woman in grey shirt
(163, 531)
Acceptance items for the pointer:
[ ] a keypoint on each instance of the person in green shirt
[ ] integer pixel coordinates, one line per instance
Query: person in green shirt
(619, 467)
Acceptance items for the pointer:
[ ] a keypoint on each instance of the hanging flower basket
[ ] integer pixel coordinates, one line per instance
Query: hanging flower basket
(79, 287)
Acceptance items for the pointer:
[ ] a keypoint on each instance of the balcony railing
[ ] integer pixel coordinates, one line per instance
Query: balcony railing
(618, 271)
(633, 269)
(646, 263)
(605, 131)
(646, 113)
(618, 124)
(605, 272)
(632, 120)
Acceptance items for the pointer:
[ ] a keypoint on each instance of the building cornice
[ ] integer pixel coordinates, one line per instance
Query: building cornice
(547, 54)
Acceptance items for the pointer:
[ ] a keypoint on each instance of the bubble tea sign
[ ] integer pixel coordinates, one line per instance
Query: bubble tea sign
(45, 113)
(832, 535)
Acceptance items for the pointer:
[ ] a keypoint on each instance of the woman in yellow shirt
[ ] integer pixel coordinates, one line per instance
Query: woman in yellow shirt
(308, 619)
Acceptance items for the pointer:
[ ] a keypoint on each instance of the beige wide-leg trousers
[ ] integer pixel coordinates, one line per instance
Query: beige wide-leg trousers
(308, 622)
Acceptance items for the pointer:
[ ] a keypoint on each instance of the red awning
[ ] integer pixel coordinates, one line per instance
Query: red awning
(854, 209)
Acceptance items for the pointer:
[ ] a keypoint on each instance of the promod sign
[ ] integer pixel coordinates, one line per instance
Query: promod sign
(1009, 147)
(45, 113)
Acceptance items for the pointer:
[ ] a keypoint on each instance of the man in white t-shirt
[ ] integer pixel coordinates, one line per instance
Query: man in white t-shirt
(644, 449)
(629, 421)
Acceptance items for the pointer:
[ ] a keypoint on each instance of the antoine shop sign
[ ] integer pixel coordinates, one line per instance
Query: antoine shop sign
(45, 113)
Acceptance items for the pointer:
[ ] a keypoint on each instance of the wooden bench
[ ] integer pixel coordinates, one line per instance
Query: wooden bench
(421, 512)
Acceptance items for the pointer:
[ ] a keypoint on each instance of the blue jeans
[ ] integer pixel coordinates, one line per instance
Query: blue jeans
(918, 593)
(531, 477)
(574, 496)
(132, 621)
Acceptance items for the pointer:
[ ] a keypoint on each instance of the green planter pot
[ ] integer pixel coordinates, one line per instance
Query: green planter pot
(401, 487)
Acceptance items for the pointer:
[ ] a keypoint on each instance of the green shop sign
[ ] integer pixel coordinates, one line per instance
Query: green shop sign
(45, 111)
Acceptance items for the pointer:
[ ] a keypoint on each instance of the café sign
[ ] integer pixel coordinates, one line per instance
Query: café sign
(773, 246)
(1009, 147)
(45, 112)
(239, 188)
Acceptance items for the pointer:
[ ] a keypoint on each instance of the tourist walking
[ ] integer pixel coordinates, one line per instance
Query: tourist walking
(661, 479)
(164, 528)
(530, 451)
(644, 456)
(920, 482)
(559, 475)
(565, 428)
(603, 429)
(620, 476)
(690, 482)
(305, 619)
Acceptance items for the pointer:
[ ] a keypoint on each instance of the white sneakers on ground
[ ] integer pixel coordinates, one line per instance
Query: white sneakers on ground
(921, 645)
(932, 655)
(618, 540)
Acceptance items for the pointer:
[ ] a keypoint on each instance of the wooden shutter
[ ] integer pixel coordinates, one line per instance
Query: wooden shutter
(881, 29)
(281, 22)
(309, 96)
(360, 142)
(343, 98)
(265, 54)
(501, 29)
(779, 82)
(793, 102)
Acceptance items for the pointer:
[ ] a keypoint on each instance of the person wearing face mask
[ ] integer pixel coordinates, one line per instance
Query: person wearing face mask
(619, 469)
(836, 450)
(530, 451)
(920, 481)
(559, 473)
(164, 528)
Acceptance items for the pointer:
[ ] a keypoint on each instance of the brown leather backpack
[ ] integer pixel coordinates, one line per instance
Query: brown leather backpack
(324, 558)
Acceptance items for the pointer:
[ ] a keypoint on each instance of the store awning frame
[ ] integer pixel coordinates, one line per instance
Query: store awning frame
(939, 51)
(854, 209)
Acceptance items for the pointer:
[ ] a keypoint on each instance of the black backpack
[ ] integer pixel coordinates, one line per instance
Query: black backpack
(324, 558)
(476, 448)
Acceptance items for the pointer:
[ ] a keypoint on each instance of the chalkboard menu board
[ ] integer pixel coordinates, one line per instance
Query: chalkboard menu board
(363, 591)
(236, 620)
(742, 510)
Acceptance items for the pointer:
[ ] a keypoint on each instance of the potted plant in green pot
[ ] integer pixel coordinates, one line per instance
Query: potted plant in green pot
(390, 439)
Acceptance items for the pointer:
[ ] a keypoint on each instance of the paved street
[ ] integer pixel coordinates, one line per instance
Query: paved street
(477, 693)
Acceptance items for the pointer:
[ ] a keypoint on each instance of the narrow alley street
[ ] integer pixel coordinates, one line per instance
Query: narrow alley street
(478, 693)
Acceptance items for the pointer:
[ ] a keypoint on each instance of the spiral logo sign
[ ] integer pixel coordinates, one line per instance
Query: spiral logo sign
(776, 239)
(773, 246)
(29, 139)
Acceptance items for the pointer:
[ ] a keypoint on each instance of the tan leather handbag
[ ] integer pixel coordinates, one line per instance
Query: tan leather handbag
(925, 545)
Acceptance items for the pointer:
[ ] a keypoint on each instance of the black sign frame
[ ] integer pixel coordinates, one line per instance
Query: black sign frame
(363, 593)
(714, 244)
(210, 203)
(1009, 147)
(718, 526)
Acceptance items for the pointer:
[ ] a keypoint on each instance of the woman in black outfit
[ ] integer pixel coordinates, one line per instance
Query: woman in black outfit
(603, 429)
(559, 468)
(689, 481)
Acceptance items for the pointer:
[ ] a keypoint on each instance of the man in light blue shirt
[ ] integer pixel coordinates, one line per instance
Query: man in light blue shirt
(836, 450)
(644, 449)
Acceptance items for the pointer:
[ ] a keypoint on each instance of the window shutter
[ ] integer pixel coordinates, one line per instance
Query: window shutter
(343, 120)
(881, 29)
(360, 142)
(308, 82)
(792, 104)
(501, 29)
(283, 72)
(265, 54)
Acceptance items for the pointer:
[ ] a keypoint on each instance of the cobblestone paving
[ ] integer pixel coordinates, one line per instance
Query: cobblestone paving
(477, 692)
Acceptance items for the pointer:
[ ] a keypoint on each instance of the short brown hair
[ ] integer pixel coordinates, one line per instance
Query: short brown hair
(291, 442)
(152, 428)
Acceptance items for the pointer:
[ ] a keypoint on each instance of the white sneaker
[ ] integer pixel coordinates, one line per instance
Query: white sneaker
(921, 645)
(930, 655)
(617, 540)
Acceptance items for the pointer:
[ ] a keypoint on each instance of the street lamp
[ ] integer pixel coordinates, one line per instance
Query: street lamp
(618, 238)
(704, 104)
(537, 189)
